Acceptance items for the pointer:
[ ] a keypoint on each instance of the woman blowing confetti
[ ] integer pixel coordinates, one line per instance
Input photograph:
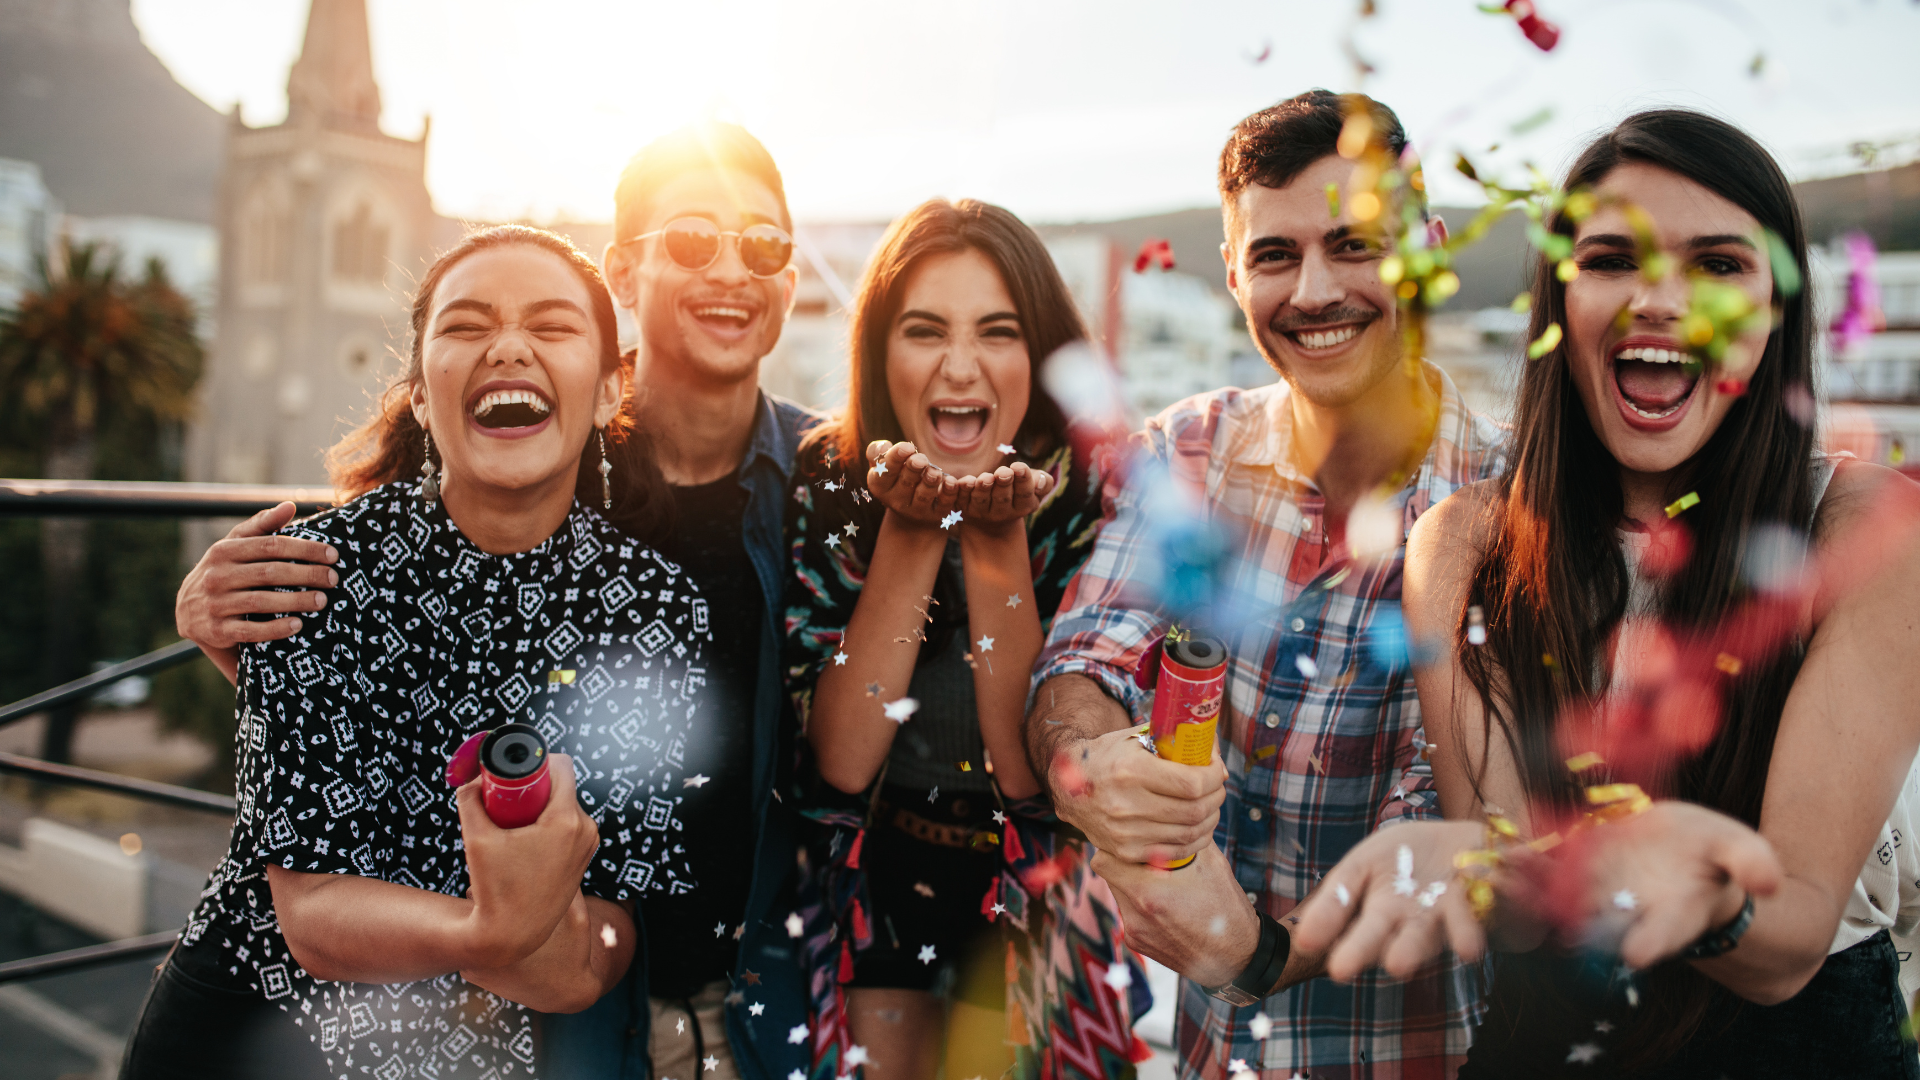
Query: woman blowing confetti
(934, 527)
(1673, 706)
(367, 920)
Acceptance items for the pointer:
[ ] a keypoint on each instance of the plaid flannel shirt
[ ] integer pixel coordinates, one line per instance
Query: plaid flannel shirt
(1319, 754)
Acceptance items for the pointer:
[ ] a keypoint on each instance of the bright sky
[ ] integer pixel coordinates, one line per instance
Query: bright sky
(1060, 110)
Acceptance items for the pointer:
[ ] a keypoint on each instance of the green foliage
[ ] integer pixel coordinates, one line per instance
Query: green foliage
(94, 355)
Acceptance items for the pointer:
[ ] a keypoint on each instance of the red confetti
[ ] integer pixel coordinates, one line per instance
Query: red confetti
(853, 853)
(1542, 33)
(1153, 251)
(1731, 387)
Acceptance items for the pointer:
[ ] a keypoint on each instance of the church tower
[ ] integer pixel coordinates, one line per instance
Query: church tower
(325, 224)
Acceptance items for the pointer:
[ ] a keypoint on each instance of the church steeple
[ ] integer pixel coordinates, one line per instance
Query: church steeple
(332, 82)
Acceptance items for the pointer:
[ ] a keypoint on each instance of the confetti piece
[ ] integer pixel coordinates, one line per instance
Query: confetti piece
(840, 659)
(900, 710)
(1014, 600)
(1217, 925)
(795, 925)
(1333, 211)
(1583, 762)
(1685, 502)
(951, 520)
(985, 643)
(1403, 883)
(1153, 252)
(923, 889)
(1266, 50)
(1476, 625)
(1728, 663)
(1604, 1027)
(1545, 343)
(831, 486)
(756, 1008)
(1006, 448)
(752, 977)
(562, 677)
(130, 844)
(1542, 33)
(852, 530)
(1731, 387)
(696, 781)
(1238, 1066)
(1432, 893)
(856, 1055)
(680, 1026)
(719, 930)
(926, 954)
(934, 794)
(1314, 760)
(833, 541)
(1308, 669)
(1583, 1053)
(880, 467)
(874, 689)
(607, 935)
(1341, 894)
(1537, 120)
(1261, 1026)
(1625, 900)
(1118, 977)
(1265, 752)
(966, 766)
(797, 1034)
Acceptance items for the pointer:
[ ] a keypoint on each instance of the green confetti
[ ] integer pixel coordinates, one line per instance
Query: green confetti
(1537, 120)
(1545, 343)
(1682, 504)
(1333, 201)
(1786, 272)
(1523, 302)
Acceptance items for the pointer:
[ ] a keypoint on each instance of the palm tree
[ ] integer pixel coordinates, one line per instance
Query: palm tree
(87, 349)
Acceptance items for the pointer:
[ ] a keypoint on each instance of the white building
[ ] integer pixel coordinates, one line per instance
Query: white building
(189, 250)
(29, 220)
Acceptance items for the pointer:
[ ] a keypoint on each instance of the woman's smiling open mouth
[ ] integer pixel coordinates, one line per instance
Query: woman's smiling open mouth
(959, 426)
(1654, 379)
(513, 409)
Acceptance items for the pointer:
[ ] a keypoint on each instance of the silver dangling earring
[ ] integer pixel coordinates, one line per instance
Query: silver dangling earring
(606, 474)
(429, 484)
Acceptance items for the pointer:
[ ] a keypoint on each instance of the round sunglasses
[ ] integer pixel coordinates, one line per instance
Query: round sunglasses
(694, 243)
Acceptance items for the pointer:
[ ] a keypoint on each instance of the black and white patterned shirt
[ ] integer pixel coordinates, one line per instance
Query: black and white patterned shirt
(345, 730)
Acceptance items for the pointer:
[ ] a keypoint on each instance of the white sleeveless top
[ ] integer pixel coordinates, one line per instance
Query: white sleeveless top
(1886, 896)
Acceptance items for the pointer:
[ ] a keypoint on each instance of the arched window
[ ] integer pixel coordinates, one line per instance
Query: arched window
(360, 247)
(263, 240)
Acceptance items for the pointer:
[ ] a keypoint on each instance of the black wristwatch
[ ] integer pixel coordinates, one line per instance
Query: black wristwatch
(1262, 972)
(1721, 941)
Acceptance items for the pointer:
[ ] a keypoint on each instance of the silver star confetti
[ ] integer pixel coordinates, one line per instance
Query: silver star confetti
(926, 954)
(901, 709)
(696, 781)
(951, 520)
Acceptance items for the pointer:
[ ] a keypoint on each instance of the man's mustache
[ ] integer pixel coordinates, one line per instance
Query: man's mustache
(1333, 317)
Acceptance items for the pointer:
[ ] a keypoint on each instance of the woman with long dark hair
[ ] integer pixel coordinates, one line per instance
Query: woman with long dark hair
(366, 919)
(935, 525)
(1676, 654)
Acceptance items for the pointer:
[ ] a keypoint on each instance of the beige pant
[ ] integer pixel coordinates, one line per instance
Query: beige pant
(677, 1054)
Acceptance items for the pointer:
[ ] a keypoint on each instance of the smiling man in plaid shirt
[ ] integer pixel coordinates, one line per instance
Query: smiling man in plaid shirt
(1321, 720)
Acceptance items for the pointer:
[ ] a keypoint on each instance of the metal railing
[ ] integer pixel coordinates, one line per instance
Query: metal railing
(87, 498)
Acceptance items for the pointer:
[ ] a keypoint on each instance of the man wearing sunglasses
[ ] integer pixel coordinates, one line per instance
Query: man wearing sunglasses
(702, 261)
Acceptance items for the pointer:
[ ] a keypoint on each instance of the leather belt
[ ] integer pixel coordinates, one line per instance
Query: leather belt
(934, 832)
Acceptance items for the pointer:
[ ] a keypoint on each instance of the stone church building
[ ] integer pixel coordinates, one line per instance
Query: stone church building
(325, 224)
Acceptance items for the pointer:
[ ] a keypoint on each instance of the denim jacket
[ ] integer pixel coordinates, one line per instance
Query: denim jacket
(609, 1040)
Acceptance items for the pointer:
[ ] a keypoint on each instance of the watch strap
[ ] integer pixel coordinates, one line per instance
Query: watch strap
(1263, 969)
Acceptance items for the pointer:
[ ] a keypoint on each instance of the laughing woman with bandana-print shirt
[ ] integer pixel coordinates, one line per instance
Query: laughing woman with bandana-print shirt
(368, 920)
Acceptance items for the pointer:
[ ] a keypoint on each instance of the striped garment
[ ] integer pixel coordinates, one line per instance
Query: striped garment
(1323, 724)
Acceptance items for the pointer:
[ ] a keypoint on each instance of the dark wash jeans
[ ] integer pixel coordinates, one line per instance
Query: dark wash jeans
(191, 1030)
(1845, 1023)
